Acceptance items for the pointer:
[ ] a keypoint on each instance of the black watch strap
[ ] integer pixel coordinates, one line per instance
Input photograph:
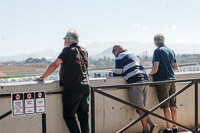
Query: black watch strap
(41, 79)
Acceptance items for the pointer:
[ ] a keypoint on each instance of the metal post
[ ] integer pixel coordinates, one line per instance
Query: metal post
(44, 123)
(196, 107)
(92, 111)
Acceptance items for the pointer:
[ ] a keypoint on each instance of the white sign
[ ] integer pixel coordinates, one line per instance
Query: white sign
(29, 103)
(40, 102)
(17, 104)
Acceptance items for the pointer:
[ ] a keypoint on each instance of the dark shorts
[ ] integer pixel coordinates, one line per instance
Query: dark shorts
(164, 91)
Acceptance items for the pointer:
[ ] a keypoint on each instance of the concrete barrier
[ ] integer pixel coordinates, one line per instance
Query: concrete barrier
(110, 115)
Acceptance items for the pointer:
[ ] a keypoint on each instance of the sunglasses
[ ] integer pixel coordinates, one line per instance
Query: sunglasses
(113, 50)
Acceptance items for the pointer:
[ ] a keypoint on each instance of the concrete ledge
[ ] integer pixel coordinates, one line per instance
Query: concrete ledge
(110, 115)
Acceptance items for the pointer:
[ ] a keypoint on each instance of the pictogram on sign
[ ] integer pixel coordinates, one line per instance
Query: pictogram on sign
(29, 96)
(40, 94)
(17, 96)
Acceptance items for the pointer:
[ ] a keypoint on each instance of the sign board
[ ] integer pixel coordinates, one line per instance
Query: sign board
(29, 102)
(17, 104)
(40, 102)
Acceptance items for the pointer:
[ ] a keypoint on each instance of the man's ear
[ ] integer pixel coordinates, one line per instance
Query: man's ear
(121, 49)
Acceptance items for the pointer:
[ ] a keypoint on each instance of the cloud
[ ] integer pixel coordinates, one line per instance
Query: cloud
(141, 26)
(172, 27)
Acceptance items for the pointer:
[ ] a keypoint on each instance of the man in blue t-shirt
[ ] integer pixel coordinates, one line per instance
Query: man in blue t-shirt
(164, 65)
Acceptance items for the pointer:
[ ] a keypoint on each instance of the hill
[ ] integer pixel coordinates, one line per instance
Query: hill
(99, 50)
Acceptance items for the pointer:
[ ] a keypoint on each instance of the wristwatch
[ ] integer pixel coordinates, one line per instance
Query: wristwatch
(41, 78)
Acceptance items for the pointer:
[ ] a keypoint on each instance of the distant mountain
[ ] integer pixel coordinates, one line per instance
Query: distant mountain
(47, 54)
(105, 53)
(136, 47)
(99, 50)
(96, 48)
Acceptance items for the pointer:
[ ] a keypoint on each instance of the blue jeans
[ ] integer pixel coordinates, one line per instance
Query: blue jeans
(76, 100)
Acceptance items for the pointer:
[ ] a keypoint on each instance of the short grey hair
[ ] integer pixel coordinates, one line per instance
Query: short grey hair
(73, 36)
(117, 46)
(159, 39)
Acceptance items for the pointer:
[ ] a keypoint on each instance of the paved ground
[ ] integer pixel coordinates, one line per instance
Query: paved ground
(180, 131)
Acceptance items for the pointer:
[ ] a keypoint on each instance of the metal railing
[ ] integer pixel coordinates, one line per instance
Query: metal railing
(98, 89)
(44, 127)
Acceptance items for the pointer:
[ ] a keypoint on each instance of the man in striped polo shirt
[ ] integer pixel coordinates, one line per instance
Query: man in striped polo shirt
(128, 66)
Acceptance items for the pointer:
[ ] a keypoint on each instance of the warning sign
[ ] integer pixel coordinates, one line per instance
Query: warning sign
(40, 102)
(29, 103)
(17, 104)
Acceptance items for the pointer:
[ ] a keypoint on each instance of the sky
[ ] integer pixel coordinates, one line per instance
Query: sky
(28, 26)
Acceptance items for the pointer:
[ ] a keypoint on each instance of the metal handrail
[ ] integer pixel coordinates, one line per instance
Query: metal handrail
(147, 83)
(147, 112)
(5, 114)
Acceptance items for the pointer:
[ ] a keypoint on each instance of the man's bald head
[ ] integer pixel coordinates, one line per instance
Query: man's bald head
(117, 49)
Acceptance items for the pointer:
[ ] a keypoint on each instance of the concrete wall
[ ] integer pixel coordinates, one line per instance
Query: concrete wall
(110, 115)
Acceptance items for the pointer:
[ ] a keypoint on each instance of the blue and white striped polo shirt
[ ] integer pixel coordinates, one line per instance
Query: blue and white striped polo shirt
(128, 66)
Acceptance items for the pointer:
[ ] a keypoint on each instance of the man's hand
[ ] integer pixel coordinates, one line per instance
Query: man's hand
(150, 74)
(110, 73)
(38, 79)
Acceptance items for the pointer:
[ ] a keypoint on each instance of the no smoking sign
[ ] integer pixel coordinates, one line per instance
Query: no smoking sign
(17, 104)
(40, 102)
(17, 97)
(40, 95)
(29, 95)
(29, 102)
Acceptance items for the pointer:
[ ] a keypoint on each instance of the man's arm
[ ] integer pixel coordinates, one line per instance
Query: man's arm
(117, 72)
(155, 68)
(175, 66)
(51, 69)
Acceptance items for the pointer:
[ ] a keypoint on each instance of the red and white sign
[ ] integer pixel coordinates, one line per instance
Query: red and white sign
(40, 102)
(39, 94)
(17, 104)
(29, 103)
(29, 96)
(17, 96)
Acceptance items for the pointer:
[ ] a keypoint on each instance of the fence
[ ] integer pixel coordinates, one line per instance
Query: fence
(191, 82)
(97, 89)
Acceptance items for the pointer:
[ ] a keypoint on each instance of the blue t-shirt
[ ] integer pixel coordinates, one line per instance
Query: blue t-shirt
(166, 59)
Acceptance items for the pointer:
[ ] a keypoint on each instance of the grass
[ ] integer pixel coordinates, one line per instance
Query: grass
(7, 77)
